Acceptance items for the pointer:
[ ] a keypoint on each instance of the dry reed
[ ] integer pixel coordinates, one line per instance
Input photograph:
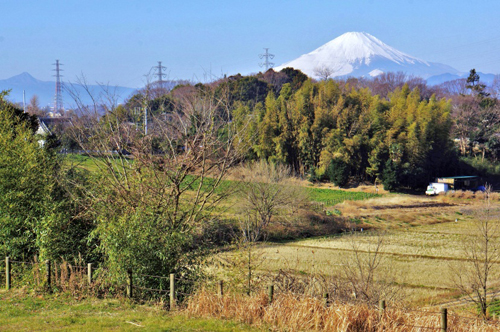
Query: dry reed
(66, 277)
(468, 194)
(294, 313)
(494, 196)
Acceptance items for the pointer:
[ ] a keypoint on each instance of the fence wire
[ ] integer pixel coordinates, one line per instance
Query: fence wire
(19, 268)
(152, 276)
(152, 289)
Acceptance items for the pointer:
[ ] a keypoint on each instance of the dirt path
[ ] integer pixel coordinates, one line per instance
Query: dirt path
(444, 258)
(465, 301)
(423, 205)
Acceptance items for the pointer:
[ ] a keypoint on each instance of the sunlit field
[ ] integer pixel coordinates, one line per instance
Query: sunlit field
(419, 251)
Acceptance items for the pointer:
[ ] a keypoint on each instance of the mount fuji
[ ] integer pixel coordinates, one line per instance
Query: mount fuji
(360, 54)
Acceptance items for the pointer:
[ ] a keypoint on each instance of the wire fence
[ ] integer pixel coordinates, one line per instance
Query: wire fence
(172, 290)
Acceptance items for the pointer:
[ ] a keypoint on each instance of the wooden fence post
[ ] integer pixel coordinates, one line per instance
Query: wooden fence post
(172, 291)
(382, 307)
(7, 273)
(270, 292)
(48, 271)
(130, 284)
(444, 319)
(325, 299)
(221, 288)
(89, 273)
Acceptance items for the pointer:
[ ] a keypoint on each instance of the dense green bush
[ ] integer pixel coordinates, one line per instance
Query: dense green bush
(338, 172)
(37, 215)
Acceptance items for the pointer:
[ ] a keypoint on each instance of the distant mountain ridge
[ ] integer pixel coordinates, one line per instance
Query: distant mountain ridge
(438, 79)
(46, 90)
(360, 54)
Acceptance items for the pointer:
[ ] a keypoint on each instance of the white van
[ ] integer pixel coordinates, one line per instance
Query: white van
(436, 188)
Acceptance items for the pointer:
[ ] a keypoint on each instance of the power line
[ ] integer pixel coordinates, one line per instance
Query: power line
(58, 100)
(267, 56)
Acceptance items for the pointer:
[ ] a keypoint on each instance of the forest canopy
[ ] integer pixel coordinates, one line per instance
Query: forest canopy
(334, 131)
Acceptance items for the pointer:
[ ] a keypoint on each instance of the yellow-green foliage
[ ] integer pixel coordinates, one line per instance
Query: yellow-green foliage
(321, 121)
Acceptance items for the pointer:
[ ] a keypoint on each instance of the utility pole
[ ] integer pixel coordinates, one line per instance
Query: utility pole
(138, 113)
(145, 120)
(267, 56)
(159, 73)
(58, 101)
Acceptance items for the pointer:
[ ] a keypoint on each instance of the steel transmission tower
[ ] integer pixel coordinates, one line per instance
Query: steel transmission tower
(267, 56)
(159, 73)
(58, 101)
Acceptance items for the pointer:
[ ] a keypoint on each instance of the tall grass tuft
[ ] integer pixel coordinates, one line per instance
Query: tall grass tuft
(290, 312)
(468, 194)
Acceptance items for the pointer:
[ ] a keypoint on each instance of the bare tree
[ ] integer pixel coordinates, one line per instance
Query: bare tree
(34, 106)
(266, 192)
(475, 125)
(366, 271)
(324, 72)
(494, 89)
(189, 150)
(154, 189)
(455, 88)
(466, 114)
(481, 247)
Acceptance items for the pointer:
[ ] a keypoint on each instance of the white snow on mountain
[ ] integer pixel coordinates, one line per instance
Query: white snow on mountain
(361, 54)
(375, 72)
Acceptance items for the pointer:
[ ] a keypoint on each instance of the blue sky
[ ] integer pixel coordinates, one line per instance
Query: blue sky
(117, 42)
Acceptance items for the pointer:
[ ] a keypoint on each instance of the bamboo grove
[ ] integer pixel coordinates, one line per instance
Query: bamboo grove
(330, 130)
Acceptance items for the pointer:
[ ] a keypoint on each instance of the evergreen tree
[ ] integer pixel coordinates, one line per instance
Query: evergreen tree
(338, 172)
(473, 84)
(390, 179)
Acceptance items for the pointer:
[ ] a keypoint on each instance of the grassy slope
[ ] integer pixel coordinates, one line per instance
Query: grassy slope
(22, 311)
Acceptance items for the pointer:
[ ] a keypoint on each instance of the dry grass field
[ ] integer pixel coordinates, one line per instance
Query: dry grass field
(422, 243)
(291, 313)
(396, 211)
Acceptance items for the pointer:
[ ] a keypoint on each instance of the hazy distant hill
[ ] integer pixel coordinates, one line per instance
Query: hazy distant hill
(361, 54)
(438, 79)
(46, 90)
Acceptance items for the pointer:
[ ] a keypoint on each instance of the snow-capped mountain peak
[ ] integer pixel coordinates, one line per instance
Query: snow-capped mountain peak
(361, 54)
(353, 46)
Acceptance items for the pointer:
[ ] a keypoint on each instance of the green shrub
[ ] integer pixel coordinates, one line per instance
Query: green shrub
(36, 211)
(338, 172)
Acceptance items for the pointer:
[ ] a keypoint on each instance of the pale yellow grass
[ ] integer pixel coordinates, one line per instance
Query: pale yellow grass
(391, 200)
(404, 242)
(410, 270)
(422, 244)
(400, 211)
(419, 258)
